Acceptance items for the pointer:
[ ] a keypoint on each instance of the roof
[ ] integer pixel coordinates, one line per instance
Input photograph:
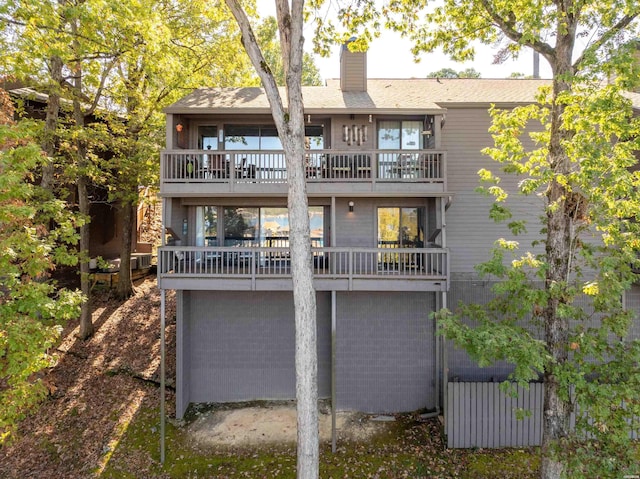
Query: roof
(30, 94)
(419, 95)
(635, 99)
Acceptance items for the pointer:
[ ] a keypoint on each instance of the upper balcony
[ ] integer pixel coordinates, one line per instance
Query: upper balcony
(261, 172)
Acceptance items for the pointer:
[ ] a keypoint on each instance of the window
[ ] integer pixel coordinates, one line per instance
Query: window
(314, 137)
(207, 137)
(399, 135)
(401, 227)
(240, 226)
(247, 227)
(207, 226)
(257, 137)
(251, 137)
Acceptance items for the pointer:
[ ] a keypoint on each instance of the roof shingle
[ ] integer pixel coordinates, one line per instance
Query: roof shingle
(383, 95)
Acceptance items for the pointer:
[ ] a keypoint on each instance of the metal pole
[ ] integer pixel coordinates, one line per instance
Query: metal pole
(445, 367)
(162, 374)
(333, 369)
(437, 354)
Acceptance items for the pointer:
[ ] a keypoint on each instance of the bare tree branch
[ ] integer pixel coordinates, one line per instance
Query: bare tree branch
(262, 68)
(508, 27)
(604, 38)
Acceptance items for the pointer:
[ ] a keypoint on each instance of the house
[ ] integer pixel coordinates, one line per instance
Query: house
(106, 226)
(397, 228)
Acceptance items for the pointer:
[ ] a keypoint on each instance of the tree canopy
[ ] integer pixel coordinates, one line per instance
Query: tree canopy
(451, 73)
(32, 307)
(584, 168)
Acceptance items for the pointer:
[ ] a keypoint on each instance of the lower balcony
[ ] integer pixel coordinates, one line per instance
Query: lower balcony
(335, 269)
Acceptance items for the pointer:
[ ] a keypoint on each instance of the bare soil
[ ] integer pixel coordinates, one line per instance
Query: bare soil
(275, 424)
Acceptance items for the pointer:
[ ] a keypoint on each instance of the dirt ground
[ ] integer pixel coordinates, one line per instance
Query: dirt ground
(251, 426)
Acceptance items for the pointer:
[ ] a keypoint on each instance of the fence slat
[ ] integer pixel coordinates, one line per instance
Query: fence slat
(481, 415)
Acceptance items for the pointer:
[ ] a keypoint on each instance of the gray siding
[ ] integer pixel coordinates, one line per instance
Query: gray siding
(242, 346)
(461, 366)
(237, 346)
(385, 352)
(353, 70)
(183, 366)
(633, 303)
(470, 232)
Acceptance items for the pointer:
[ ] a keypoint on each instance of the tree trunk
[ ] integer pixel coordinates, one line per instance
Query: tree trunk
(290, 125)
(86, 325)
(125, 286)
(555, 424)
(51, 121)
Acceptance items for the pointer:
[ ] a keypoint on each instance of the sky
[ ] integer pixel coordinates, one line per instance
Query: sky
(389, 56)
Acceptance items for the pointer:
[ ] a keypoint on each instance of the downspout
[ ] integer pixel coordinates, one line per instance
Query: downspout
(436, 413)
(443, 304)
(445, 367)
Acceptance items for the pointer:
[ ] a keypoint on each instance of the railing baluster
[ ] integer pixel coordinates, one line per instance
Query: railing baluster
(337, 262)
(217, 166)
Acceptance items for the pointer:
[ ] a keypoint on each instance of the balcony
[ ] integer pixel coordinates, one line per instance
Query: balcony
(205, 172)
(335, 268)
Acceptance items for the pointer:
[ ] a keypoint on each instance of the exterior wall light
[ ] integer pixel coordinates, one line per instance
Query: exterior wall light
(179, 127)
(351, 205)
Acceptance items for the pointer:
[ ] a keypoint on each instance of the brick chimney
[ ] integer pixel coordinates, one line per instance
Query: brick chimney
(353, 69)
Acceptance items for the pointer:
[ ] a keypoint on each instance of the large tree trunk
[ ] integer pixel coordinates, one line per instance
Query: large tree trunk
(86, 325)
(555, 424)
(51, 121)
(290, 124)
(125, 286)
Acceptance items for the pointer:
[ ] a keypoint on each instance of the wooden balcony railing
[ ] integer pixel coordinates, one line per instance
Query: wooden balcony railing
(207, 166)
(328, 262)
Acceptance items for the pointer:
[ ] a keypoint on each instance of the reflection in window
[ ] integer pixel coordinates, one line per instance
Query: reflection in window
(401, 227)
(257, 137)
(207, 137)
(274, 227)
(396, 135)
(207, 226)
(248, 227)
(251, 137)
(314, 137)
(240, 226)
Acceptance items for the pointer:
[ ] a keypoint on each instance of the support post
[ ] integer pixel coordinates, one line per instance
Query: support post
(162, 374)
(445, 367)
(333, 369)
(437, 354)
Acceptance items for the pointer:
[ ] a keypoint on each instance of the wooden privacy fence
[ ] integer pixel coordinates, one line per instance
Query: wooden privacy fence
(481, 415)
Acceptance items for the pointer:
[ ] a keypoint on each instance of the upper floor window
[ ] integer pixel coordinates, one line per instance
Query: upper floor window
(207, 137)
(399, 135)
(259, 137)
(251, 137)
